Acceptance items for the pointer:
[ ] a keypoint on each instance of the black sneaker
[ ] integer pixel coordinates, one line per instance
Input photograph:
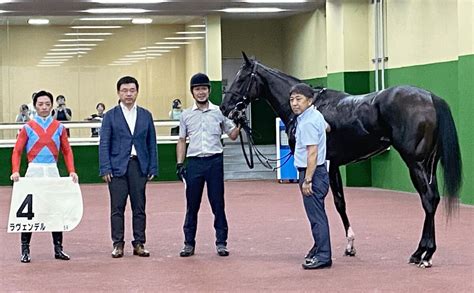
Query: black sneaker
(187, 250)
(315, 264)
(222, 250)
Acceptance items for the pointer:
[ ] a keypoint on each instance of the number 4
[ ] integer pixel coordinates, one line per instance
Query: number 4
(27, 202)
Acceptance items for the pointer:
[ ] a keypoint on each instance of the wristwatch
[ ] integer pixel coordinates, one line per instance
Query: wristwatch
(307, 181)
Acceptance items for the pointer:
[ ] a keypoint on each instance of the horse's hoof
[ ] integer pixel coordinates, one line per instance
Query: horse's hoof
(350, 252)
(424, 264)
(414, 260)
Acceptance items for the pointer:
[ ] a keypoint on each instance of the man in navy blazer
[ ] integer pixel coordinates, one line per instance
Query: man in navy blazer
(127, 160)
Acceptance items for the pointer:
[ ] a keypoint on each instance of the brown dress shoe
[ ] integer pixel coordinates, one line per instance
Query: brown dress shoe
(118, 251)
(140, 250)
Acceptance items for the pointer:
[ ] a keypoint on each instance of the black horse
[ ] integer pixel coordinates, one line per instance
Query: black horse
(417, 123)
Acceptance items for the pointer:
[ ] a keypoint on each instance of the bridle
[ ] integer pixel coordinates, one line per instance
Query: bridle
(238, 114)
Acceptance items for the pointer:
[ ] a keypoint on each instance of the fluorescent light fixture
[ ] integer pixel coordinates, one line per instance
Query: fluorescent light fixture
(56, 57)
(61, 53)
(158, 51)
(276, 1)
(69, 49)
(81, 40)
(172, 43)
(53, 60)
(184, 38)
(105, 18)
(252, 10)
(128, 1)
(80, 27)
(48, 65)
(139, 55)
(164, 47)
(75, 45)
(197, 25)
(142, 20)
(153, 54)
(120, 64)
(3, 11)
(38, 21)
(88, 34)
(191, 33)
(115, 10)
(139, 52)
(5, 1)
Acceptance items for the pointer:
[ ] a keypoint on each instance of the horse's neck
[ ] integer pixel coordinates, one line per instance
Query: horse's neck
(277, 92)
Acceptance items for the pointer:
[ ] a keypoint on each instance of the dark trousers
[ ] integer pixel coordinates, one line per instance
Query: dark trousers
(314, 206)
(208, 170)
(133, 183)
(57, 238)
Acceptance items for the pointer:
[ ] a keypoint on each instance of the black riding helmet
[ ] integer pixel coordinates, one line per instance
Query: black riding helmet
(199, 79)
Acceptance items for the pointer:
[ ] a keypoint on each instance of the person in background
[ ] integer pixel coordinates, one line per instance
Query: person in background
(43, 137)
(97, 117)
(62, 113)
(203, 124)
(310, 160)
(128, 159)
(31, 107)
(175, 114)
(23, 116)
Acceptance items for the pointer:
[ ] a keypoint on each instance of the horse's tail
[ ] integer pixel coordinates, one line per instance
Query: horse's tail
(450, 153)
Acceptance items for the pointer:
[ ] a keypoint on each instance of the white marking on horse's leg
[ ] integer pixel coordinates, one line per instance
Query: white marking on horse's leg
(350, 250)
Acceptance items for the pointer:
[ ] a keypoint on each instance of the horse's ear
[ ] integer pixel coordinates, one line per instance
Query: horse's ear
(246, 59)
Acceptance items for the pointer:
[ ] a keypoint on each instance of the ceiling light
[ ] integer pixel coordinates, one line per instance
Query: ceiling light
(252, 10)
(5, 1)
(154, 54)
(139, 52)
(115, 10)
(81, 40)
(158, 51)
(70, 49)
(276, 1)
(191, 33)
(142, 20)
(54, 60)
(48, 65)
(78, 27)
(120, 64)
(62, 53)
(184, 38)
(56, 57)
(128, 1)
(164, 47)
(75, 45)
(197, 25)
(172, 43)
(88, 34)
(38, 21)
(139, 55)
(105, 18)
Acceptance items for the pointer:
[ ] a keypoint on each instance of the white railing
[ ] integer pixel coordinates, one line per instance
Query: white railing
(161, 139)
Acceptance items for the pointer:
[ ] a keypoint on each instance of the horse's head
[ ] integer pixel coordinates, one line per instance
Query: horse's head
(243, 90)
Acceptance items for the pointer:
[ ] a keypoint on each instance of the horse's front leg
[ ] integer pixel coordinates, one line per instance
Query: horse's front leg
(335, 181)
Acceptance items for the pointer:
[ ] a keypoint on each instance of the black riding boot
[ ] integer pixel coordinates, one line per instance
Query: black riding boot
(58, 246)
(25, 247)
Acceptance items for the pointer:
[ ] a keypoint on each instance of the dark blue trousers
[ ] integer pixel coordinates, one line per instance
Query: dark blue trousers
(314, 206)
(209, 170)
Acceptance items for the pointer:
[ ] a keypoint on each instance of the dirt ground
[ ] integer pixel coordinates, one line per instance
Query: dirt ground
(268, 237)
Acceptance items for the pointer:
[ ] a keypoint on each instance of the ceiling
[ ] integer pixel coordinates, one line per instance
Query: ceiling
(65, 11)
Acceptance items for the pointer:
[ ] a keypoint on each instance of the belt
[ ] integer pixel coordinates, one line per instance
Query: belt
(303, 169)
(205, 158)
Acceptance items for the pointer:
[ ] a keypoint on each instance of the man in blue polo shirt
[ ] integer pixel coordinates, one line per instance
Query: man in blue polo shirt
(310, 158)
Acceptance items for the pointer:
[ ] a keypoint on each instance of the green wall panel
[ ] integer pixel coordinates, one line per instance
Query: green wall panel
(86, 160)
(466, 123)
(216, 92)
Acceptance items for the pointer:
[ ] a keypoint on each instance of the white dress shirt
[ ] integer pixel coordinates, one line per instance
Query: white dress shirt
(131, 118)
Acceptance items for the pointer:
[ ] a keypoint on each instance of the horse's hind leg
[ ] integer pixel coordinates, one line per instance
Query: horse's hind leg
(335, 181)
(426, 185)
